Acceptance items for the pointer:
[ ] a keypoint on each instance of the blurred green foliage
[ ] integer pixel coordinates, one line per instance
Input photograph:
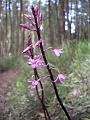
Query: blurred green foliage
(73, 63)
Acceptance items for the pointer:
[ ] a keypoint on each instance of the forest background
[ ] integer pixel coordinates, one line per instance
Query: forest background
(66, 24)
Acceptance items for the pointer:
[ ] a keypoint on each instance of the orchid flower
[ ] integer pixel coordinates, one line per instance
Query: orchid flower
(38, 42)
(30, 19)
(30, 46)
(34, 83)
(27, 48)
(57, 51)
(27, 16)
(35, 62)
(61, 78)
(25, 26)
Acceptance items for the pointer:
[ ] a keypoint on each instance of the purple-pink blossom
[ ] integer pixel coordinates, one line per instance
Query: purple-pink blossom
(30, 46)
(34, 83)
(38, 42)
(40, 16)
(36, 61)
(37, 13)
(25, 26)
(27, 16)
(57, 51)
(27, 48)
(30, 19)
(61, 78)
(34, 9)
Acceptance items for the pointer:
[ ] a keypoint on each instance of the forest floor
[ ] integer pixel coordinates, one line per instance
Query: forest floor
(77, 98)
(6, 78)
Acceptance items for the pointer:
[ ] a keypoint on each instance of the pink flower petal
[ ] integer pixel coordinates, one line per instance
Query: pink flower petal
(27, 16)
(26, 49)
(34, 9)
(38, 42)
(40, 16)
(30, 18)
(25, 26)
(57, 52)
(34, 83)
(35, 62)
(61, 78)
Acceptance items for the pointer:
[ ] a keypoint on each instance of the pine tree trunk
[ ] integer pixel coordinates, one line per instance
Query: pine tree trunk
(62, 19)
(51, 41)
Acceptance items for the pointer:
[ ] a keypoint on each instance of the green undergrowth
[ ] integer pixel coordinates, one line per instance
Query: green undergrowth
(74, 63)
(74, 53)
(10, 62)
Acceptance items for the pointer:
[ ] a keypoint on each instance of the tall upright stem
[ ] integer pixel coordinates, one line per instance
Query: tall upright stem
(42, 102)
(48, 68)
(41, 98)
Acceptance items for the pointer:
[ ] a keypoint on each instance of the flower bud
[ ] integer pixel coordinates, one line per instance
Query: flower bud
(25, 26)
(40, 16)
(27, 16)
(35, 10)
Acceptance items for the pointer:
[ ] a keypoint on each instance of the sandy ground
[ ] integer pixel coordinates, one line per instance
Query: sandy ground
(6, 79)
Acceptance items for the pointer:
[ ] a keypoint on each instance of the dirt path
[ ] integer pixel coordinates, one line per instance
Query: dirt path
(6, 79)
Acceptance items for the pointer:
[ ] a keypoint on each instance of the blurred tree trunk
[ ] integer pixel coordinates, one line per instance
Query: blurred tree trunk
(10, 19)
(51, 41)
(17, 30)
(58, 31)
(6, 19)
(62, 18)
(68, 22)
(66, 8)
(77, 26)
(0, 28)
(22, 21)
(89, 21)
(71, 23)
(3, 25)
(82, 28)
(13, 23)
(67, 19)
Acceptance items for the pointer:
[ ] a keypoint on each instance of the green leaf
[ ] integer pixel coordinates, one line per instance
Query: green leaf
(18, 84)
